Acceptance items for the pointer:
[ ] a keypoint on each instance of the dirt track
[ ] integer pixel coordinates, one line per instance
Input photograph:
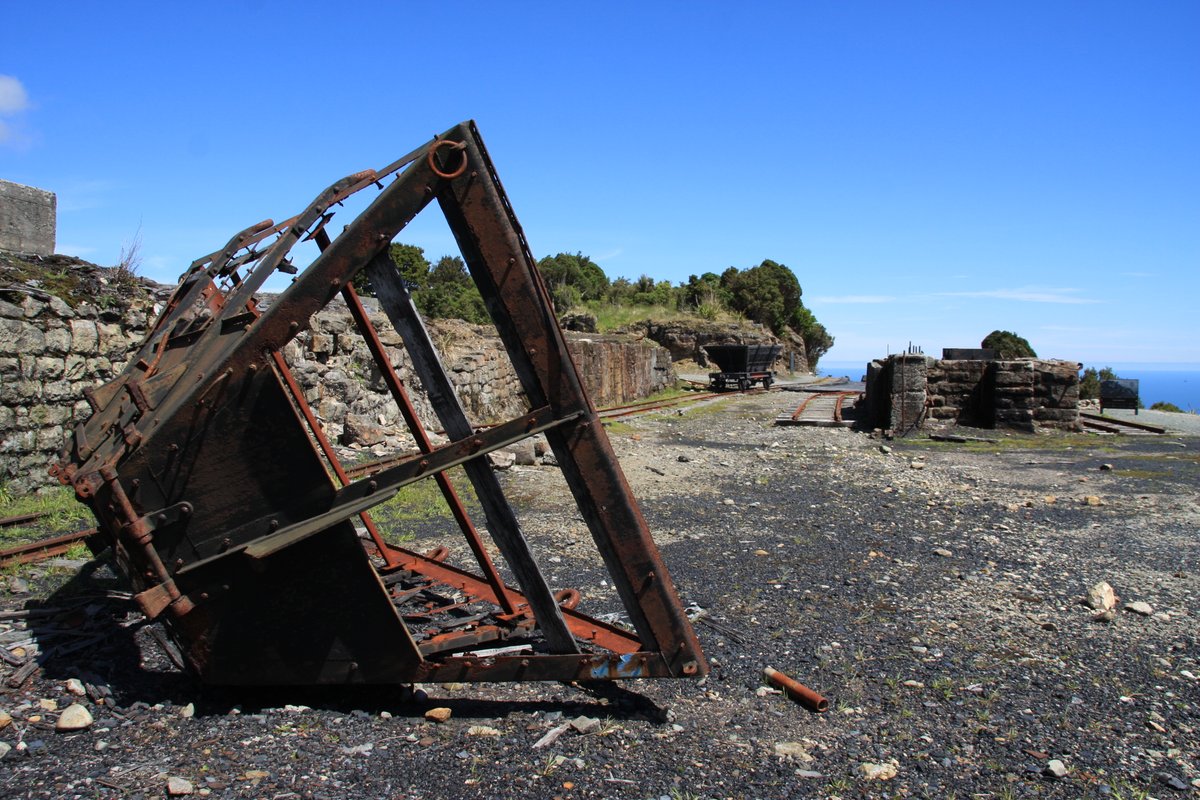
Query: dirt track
(931, 592)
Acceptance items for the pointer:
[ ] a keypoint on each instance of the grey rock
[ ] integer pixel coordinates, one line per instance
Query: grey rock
(585, 724)
(1139, 607)
(179, 787)
(1173, 781)
(1055, 769)
(1101, 596)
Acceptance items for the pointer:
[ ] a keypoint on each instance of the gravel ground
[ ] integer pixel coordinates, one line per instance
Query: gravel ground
(931, 591)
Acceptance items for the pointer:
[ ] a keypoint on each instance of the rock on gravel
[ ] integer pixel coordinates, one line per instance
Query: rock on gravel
(439, 714)
(879, 772)
(1140, 607)
(179, 787)
(1101, 596)
(74, 718)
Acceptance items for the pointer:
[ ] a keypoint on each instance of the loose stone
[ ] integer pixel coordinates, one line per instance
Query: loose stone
(879, 772)
(178, 787)
(1101, 596)
(1139, 607)
(74, 718)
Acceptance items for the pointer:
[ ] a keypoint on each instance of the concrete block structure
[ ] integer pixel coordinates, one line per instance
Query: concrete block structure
(28, 219)
(905, 391)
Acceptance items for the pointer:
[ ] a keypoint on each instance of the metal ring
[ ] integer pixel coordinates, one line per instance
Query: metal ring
(567, 598)
(433, 163)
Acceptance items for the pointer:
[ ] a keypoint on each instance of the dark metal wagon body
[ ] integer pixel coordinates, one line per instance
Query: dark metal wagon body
(742, 365)
(1119, 393)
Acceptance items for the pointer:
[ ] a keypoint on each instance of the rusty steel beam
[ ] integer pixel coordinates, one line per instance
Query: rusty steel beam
(227, 507)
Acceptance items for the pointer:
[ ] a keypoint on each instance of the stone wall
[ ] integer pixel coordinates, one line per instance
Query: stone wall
(50, 352)
(904, 392)
(27, 219)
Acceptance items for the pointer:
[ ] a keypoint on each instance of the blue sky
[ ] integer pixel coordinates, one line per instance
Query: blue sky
(930, 171)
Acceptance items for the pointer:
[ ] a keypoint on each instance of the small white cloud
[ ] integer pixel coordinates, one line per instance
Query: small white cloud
(1032, 294)
(851, 299)
(13, 98)
(609, 256)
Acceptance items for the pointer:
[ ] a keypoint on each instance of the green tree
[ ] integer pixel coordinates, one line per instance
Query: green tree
(577, 271)
(1089, 385)
(409, 260)
(1008, 345)
(768, 294)
(450, 293)
(705, 293)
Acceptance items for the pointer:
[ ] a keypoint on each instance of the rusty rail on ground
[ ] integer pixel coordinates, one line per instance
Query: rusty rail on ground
(1114, 425)
(229, 511)
(42, 549)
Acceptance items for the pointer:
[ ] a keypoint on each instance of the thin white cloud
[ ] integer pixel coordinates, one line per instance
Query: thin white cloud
(1031, 294)
(13, 98)
(851, 299)
(608, 256)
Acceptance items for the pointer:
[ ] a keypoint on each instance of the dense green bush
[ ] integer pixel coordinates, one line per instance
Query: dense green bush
(1008, 345)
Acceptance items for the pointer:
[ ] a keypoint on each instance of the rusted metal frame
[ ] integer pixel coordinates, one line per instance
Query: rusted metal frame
(585, 628)
(335, 463)
(641, 664)
(422, 465)
(502, 520)
(503, 268)
(288, 237)
(263, 230)
(221, 354)
(137, 536)
(409, 412)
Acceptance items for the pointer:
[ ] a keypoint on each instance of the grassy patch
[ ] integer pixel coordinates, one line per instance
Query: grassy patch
(63, 514)
(421, 501)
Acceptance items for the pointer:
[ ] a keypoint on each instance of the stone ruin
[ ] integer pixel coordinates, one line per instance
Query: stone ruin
(28, 219)
(907, 391)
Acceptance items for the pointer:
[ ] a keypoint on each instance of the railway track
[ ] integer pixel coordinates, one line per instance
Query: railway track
(1104, 424)
(819, 409)
(43, 548)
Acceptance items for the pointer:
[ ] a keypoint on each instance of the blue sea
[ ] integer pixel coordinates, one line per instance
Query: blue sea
(1164, 382)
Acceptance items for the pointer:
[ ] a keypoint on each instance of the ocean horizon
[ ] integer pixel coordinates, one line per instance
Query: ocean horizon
(1158, 382)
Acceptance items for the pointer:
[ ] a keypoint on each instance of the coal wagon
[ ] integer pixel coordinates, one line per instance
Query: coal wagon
(742, 365)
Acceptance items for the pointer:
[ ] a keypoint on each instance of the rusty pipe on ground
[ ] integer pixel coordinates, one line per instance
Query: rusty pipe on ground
(797, 691)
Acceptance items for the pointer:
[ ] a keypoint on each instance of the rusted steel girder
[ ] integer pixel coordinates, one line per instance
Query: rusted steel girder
(223, 509)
